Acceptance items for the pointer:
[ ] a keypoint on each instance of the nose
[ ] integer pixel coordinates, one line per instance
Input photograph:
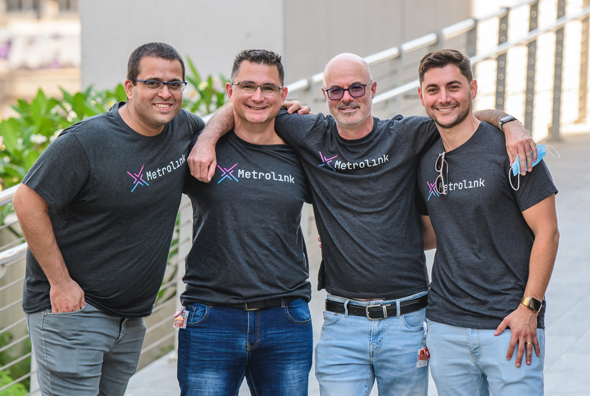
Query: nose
(165, 92)
(443, 97)
(257, 95)
(347, 97)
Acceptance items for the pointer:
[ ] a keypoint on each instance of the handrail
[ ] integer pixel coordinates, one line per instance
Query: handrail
(530, 37)
(458, 28)
(7, 195)
(479, 58)
(13, 253)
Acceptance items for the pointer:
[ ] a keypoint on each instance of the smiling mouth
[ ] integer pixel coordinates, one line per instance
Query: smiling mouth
(256, 107)
(163, 106)
(445, 109)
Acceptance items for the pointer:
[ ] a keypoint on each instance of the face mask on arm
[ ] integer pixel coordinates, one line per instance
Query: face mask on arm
(541, 151)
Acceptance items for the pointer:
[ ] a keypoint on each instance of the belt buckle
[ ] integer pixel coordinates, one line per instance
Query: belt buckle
(250, 309)
(375, 306)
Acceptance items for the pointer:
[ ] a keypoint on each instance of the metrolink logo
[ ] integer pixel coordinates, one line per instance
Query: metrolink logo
(326, 161)
(462, 185)
(228, 173)
(366, 163)
(432, 190)
(138, 179)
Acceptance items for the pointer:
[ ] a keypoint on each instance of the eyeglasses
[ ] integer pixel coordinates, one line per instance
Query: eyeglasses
(266, 89)
(440, 181)
(155, 85)
(356, 91)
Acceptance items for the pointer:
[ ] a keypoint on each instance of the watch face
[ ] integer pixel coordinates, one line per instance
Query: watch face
(535, 304)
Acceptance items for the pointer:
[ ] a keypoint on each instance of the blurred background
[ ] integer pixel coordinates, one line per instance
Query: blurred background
(63, 60)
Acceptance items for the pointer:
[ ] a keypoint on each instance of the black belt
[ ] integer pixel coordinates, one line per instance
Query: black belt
(263, 304)
(378, 311)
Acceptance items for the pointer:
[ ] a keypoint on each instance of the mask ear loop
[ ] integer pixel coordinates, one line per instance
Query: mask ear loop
(510, 180)
(553, 151)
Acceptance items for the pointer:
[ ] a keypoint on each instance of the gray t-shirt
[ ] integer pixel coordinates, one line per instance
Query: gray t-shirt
(247, 244)
(484, 244)
(364, 202)
(113, 197)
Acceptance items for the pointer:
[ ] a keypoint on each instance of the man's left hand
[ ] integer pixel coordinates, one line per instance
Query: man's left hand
(293, 106)
(519, 142)
(523, 328)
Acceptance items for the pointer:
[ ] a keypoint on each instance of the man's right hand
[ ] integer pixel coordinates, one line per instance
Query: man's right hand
(202, 160)
(66, 296)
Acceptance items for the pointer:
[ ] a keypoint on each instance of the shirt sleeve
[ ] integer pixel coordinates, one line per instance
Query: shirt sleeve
(61, 172)
(293, 128)
(196, 123)
(421, 132)
(534, 187)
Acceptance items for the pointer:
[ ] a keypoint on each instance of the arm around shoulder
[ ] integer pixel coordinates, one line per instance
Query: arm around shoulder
(202, 159)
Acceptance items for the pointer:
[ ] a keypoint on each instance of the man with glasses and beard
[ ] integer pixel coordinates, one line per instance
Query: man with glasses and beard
(495, 246)
(362, 173)
(247, 273)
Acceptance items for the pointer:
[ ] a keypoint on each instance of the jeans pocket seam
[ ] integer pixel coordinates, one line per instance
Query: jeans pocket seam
(411, 328)
(333, 321)
(293, 320)
(200, 320)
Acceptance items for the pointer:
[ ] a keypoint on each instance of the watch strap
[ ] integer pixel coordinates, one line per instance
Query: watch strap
(504, 120)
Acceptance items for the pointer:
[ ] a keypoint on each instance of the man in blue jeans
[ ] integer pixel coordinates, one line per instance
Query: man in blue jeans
(247, 273)
(362, 173)
(495, 246)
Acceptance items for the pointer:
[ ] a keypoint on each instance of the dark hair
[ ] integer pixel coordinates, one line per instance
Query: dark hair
(262, 57)
(154, 50)
(442, 58)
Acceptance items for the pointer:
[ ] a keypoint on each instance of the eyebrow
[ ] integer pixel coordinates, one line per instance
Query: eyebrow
(354, 83)
(449, 83)
(159, 79)
(252, 82)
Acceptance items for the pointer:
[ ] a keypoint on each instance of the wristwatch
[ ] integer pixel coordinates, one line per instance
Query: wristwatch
(532, 303)
(504, 120)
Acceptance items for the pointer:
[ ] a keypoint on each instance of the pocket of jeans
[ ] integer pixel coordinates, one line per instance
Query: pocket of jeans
(298, 312)
(415, 320)
(197, 313)
(79, 311)
(331, 318)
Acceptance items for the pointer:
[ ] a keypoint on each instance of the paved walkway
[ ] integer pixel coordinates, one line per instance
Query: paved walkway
(568, 296)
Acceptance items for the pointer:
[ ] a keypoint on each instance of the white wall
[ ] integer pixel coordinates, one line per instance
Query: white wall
(306, 32)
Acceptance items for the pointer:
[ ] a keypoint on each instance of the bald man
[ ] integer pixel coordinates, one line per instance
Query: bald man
(362, 173)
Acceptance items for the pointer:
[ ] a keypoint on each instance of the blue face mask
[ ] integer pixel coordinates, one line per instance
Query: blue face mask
(541, 151)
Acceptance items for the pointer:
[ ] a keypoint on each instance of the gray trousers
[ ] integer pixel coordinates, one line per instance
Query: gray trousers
(84, 353)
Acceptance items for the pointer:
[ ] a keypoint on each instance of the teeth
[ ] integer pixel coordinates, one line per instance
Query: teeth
(163, 105)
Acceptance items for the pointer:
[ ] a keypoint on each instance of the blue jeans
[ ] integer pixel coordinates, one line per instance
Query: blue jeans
(470, 362)
(85, 352)
(272, 348)
(353, 351)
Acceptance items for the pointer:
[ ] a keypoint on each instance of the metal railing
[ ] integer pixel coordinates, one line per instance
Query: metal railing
(395, 70)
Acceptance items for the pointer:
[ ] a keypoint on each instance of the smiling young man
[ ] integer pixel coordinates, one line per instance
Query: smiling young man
(362, 173)
(98, 210)
(495, 248)
(247, 273)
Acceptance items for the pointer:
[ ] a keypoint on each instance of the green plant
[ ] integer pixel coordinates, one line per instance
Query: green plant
(15, 371)
(204, 96)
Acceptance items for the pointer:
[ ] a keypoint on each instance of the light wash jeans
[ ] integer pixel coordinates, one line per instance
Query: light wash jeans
(86, 352)
(473, 362)
(353, 351)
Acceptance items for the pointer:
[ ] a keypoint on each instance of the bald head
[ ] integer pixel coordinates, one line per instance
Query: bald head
(346, 66)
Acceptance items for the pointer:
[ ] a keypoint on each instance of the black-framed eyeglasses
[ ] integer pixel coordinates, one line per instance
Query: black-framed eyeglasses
(356, 91)
(440, 180)
(173, 86)
(266, 89)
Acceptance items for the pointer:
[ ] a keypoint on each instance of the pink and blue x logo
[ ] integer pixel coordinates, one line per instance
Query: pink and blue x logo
(326, 161)
(227, 173)
(137, 179)
(432, 188)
